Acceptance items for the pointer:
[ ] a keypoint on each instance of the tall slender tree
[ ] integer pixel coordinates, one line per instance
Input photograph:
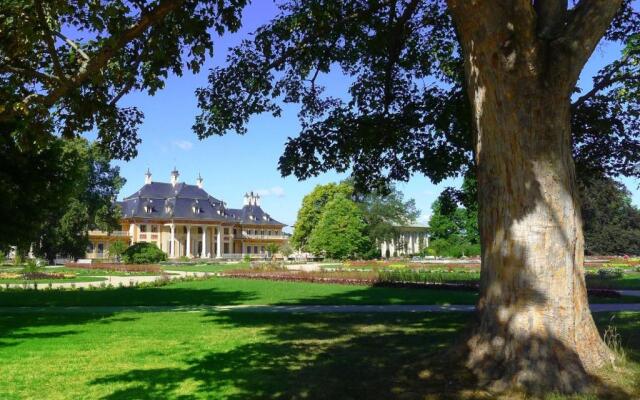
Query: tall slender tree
(443, 87)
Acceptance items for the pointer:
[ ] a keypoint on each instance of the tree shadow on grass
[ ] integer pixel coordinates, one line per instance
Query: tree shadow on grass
(152, 296)
(322, 356)
(304, 356)
(15, 328)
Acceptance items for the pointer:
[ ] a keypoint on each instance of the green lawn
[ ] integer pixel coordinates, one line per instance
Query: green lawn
(205, 267)
(229, 291)
(199, 355)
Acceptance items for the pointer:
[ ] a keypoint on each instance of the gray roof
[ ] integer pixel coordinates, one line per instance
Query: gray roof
(159, 200)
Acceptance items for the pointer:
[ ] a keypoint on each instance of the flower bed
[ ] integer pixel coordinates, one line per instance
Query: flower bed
(118, 267)
(35, 275)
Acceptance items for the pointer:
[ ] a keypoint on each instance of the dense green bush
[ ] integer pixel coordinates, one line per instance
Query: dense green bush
(453, 248)
(143, 253)
(606, 274)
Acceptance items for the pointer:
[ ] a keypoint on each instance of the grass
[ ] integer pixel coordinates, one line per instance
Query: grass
(229, 291)
(205, 267)
(249, 356)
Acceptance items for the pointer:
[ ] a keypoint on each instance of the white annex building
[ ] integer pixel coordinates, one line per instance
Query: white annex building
(411, 239)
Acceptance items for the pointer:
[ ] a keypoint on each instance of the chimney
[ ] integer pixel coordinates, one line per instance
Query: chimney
(174, 176)
(147, 177)
(251, 199)
(199, 181)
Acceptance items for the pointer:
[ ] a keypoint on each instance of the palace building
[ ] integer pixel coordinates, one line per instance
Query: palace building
(185, 221)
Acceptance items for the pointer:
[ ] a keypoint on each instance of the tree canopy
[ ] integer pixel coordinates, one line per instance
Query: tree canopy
(64, 66)
(407, 110)
(87, 202)
(382, 212)
(313, 205)
(340, 232)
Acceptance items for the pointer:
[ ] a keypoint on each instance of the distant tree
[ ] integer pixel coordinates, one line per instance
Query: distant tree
(312, 207)
(611, 221)
(340, 232)
(88, 203)
(286, 250)
(117, 248)
(272, 249)
(385, 210)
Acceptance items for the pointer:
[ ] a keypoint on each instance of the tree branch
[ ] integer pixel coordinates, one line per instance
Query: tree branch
(48, 38)
(551, 15)
(74, 45)
(30, 72)
(602, 84)
(100, 58)
(586, 26)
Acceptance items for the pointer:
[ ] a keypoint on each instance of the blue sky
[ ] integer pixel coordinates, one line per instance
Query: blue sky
(232, 164)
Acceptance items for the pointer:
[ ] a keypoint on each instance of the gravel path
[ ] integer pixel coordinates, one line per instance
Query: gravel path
(290, 309)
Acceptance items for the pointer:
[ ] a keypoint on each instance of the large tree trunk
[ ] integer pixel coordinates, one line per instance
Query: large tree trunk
(535, 330)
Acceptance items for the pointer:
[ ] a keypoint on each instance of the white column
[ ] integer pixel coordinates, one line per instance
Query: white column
(172, 244)
(219, 242)
(204, 242)
(132, 232)
(411, 249)
(188, 240)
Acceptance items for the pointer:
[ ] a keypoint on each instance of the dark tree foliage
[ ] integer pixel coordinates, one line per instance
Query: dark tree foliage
(611, 222)
(407, 111)
(87, 201)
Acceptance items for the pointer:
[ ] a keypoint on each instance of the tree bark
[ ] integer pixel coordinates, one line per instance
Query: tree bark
(534, 330)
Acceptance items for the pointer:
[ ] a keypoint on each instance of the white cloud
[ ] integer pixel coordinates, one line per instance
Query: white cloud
(183, 144)
(276, 191)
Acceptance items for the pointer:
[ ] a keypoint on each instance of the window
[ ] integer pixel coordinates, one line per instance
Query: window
(249, 249)
(154, 228)
(226, 231)
(184, 229)
(199, 229)
(143, 228)
(100, 248)
(235, 232)
(262, 249)
(90, 248)
(255, 249)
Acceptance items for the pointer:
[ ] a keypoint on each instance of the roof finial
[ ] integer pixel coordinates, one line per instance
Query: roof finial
(199, 181)
(147, 177)
(174, 176)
